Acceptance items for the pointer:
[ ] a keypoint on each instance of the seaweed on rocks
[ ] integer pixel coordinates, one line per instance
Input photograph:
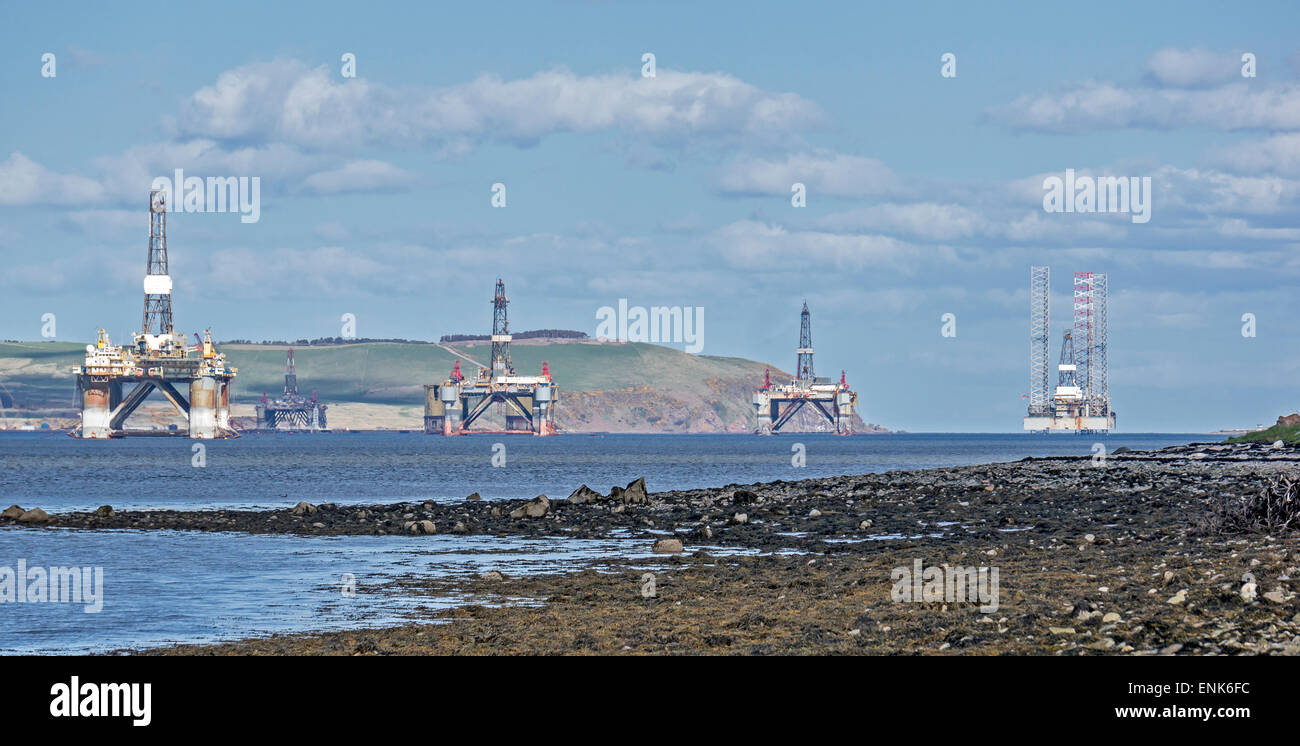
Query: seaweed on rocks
(1274, 508)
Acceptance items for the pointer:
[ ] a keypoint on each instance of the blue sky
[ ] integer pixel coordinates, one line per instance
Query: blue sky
(924, 192)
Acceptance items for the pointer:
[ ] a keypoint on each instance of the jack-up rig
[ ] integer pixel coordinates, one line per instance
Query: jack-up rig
(157, 359)
(775, 405)
(1081, 400)
(450, 408)
(291, 408)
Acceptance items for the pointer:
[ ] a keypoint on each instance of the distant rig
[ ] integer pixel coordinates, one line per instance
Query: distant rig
(450, 408)
(1081, 399)
(776, 405)
(291, 409)
(158, 358)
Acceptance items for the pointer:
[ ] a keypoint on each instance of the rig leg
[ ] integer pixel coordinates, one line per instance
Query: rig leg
(844, 402)
(97, 402)
(544, 410)
(764, 413)
(203, 408)
(223, 407)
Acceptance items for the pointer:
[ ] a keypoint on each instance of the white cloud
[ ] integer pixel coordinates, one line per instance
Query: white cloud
(1040, 226)
(332, 231)
(1096, 106)
(324, 271)
(129, 175)
(26, 182)
(111, 223)
(1210, 192)
(1279, 154)
(286, 101)
(1267, 262)
(926, 221)
(359, 176)
(832, 174)
(753, 243)
(1191, 68)
(1239, 228)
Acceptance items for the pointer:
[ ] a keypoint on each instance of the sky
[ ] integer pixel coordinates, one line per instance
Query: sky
(923, 182)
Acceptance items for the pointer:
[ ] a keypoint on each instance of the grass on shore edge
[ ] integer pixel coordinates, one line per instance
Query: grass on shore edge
(1286, 433)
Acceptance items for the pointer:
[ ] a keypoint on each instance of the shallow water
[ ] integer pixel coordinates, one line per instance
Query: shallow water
(169, 586)
(181, 586)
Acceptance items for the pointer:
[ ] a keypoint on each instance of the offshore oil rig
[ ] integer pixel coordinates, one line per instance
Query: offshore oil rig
(450, 408)
(1081, 400)
(291, 408)
(776, 405)
(158, 358)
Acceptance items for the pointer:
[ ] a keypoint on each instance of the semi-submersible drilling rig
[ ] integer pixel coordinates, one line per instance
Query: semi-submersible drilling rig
(291, 409)
(451, 407)
(776, 405)
(158, 358)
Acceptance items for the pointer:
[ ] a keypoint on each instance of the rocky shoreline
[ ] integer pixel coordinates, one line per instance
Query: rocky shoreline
(1109, 556)
(1044, 495)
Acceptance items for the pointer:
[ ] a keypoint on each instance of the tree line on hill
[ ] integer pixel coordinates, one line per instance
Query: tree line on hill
(535, 334)
(324, 341)
(446, 338)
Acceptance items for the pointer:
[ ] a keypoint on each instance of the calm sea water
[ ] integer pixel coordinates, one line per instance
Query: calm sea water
(189, 586)
(162, 587)
(59, 473)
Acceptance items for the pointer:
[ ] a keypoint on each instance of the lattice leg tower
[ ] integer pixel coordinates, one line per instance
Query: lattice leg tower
(1084, 335)
(1040, 332)
(1098, 372)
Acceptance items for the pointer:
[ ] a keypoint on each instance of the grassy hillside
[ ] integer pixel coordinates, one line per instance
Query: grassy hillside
(376, 372)
(1285, 433)
(39, 375)
(604, 386)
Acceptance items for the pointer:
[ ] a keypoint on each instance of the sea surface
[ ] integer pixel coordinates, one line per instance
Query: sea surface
(58, 473)
(176, 586)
